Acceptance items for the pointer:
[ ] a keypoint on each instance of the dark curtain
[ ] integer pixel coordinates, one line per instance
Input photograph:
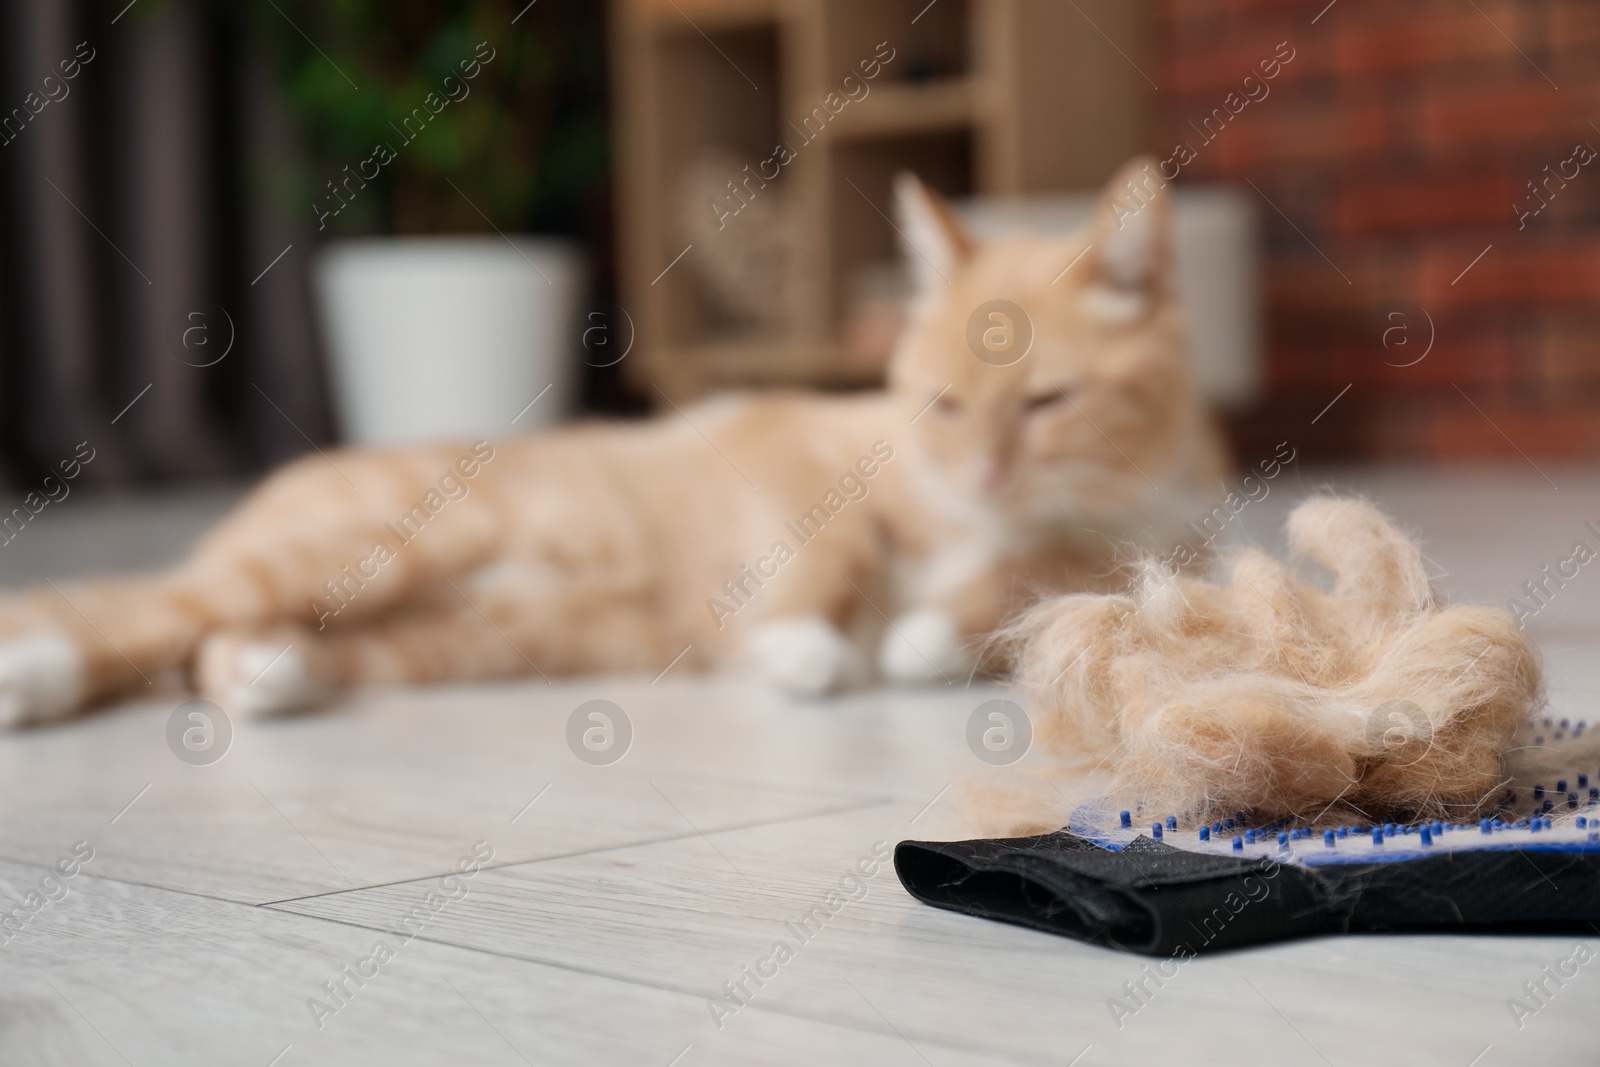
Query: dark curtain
(140, 241)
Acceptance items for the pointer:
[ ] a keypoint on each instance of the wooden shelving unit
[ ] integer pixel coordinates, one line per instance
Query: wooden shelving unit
(983, 96)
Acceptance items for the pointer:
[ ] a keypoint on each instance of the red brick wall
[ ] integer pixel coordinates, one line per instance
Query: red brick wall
(1398, 139)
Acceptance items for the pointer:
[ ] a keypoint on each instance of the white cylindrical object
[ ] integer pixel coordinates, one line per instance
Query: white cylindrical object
(439, 337)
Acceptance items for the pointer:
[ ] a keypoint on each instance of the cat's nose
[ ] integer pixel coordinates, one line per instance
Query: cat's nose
(990, 475)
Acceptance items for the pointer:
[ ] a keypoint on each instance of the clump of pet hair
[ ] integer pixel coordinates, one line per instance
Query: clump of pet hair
(1271, 695)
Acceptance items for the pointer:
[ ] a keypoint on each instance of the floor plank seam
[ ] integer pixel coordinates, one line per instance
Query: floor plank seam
(755, 825)
(129, 881)
(662, 987)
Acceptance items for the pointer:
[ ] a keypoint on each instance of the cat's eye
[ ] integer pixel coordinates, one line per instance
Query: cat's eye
(1045, 400)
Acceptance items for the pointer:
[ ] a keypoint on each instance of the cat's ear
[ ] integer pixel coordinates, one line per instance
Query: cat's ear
(939, 241)
(1132, 228)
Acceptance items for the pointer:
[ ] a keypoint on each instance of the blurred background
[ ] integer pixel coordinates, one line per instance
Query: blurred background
(231, 232)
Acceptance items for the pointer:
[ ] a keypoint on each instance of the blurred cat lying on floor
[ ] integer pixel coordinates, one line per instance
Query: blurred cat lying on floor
(818, 540)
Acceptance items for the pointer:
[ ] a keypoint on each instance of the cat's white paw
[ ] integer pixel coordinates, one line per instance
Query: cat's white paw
(924, 646)
(41, 678)
(251, 677)
(805, 656)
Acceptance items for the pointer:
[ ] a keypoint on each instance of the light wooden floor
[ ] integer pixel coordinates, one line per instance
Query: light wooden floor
(221, 898)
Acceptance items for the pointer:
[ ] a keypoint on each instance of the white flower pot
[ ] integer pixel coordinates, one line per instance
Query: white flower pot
(438, 337)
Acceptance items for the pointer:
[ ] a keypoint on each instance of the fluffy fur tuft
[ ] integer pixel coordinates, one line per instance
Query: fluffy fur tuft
(1272, 695)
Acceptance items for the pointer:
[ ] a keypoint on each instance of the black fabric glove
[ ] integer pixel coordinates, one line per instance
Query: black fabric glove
(1153, 898)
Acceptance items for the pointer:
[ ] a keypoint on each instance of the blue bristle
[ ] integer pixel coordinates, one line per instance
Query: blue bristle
(1250, 836)
(1228, 823)
(1561, 785)
(1377, 835)
(1538, 792)
(1484, 826)
(1127, 820)
(1344, 831)
(1205, 833)
(1426, 834)
(1155, 830)
(1582, 822)
(1283, 840)
(1328, 838)
(1534, 825)
(1172, 822)
(1572, 800)
(1583, 781)
(1238, 842)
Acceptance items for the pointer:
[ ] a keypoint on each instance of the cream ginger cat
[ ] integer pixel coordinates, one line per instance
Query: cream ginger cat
(818, 540)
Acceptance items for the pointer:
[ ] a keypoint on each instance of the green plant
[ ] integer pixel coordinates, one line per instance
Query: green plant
(431, 116)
